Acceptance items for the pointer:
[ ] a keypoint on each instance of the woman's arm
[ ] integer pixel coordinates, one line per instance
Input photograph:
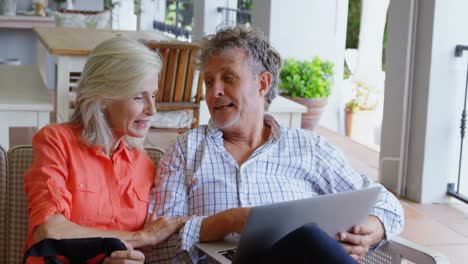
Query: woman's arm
(58, 227)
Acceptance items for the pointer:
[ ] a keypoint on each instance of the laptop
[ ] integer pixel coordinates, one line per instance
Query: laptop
(267, 224)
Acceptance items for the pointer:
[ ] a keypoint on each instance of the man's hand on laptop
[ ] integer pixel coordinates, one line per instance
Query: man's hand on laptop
(358, 240)
(217, 226)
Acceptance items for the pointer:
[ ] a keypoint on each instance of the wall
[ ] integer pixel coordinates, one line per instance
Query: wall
(18, 43)
(302, 29)
(435, 97)
(88, 5)
(21, 43)
(206, 18)
(445, 100)
(457, 34)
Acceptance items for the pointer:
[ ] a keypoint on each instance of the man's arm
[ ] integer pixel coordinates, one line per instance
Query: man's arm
(218, 226)
(336, 175)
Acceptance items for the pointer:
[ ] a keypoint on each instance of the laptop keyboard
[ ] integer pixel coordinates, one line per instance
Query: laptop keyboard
(228, 253)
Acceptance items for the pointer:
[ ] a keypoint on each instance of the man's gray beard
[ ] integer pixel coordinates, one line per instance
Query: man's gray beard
(224, 125)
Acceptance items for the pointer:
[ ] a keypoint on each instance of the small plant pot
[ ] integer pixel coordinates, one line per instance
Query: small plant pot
(315, 108)
(359, 125)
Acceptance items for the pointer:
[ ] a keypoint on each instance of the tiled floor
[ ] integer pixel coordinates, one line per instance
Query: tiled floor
(440, 227)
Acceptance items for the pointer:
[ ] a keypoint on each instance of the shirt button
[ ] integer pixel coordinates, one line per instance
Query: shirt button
(81, 186)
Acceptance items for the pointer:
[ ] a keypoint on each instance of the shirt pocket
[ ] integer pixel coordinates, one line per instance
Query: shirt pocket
(135, 207)
(86, 203)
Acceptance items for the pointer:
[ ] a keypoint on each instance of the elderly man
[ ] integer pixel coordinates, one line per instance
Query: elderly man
(245, 158)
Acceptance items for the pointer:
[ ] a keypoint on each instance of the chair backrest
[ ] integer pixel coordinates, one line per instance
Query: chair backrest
(19, 160)
(180, 84)
(399, 250)
(3, 203)
(155, 154)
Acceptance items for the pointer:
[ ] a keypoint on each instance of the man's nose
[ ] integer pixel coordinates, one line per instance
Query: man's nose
(218, 89)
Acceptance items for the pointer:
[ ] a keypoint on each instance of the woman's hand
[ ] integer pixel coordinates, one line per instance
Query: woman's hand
(158, 229)
(129, 256)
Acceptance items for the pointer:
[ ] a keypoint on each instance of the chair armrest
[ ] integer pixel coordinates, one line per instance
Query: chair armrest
(399, 248)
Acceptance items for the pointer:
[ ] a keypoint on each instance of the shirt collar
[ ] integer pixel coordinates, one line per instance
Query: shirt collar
(277, 129)
(123, 151)
(213, 130)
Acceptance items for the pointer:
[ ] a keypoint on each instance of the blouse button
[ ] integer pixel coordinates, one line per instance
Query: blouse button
(81, 186)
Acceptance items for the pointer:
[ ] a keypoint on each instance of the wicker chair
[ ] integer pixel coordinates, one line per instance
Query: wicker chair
(398, 249)
(19, 160)
(3, 203)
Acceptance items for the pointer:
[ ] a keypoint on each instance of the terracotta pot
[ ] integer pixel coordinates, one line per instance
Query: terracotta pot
(315, 108)
(348, 122)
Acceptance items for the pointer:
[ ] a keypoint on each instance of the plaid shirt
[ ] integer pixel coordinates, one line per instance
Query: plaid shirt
(197, 176)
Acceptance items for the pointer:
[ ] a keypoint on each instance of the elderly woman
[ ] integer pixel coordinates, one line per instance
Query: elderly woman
(90, 177)
(244, 157)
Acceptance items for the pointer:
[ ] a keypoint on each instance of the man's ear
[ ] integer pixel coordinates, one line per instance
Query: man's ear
(265, 82)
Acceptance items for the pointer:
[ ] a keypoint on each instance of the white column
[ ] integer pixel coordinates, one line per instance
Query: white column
(368, 62)
(159, 10)
(150, 10)
(301, 29)
(123, 16)
(371, 33)
(399, 66)
(207, 19)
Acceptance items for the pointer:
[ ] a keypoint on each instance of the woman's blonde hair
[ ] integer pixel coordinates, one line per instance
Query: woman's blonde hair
(115, 69)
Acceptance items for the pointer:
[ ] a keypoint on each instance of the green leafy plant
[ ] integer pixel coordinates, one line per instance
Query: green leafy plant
(307, 79)
(365, 98)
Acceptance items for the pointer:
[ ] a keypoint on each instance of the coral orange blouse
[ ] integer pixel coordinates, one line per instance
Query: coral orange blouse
(84, 185)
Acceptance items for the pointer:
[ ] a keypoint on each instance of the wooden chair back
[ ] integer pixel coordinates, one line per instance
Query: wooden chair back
(180, 84)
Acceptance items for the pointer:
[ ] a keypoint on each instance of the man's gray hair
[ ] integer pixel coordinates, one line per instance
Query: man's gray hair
(115, 69)
(262, 56)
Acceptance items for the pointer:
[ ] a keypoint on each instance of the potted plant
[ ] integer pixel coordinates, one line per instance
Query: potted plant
(308, 83)
(360, 112)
